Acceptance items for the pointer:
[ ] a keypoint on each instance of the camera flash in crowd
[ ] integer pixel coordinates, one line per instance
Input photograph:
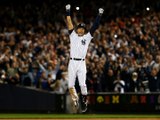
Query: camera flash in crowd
(77, 8)
(147, 8)
(115, 36)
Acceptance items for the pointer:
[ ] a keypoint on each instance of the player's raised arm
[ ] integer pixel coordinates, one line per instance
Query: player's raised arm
(96, 22)
(69, 21)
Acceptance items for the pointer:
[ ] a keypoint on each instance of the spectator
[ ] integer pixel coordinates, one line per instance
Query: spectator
(12, 74)
(62, 84)
(107, 83)
(119, 85)
(134, 83)
(154, 81)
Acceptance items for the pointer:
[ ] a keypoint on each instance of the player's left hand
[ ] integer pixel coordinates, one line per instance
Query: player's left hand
(101, 10)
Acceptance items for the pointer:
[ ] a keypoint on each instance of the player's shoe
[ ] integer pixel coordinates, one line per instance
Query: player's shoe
(84, 104)
(76, 105)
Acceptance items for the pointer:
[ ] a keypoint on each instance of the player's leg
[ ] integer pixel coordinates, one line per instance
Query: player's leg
(82, 82)
(71, 83)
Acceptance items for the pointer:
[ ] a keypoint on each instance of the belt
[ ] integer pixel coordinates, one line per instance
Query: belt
(78, 59)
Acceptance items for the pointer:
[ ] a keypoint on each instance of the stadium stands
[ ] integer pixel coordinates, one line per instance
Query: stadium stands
(34, 44)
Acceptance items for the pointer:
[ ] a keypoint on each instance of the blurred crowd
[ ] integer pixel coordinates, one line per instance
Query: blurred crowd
(124, 55)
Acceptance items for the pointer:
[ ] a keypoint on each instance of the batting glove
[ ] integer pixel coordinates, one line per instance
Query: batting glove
(68, 7)
(101, 10)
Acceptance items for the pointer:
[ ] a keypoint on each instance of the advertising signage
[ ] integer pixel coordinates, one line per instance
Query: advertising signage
(125, 102)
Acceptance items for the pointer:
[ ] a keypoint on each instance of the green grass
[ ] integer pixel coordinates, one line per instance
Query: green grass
(52, 116)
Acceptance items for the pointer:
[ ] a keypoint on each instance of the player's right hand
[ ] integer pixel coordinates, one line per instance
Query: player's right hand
(68, 7)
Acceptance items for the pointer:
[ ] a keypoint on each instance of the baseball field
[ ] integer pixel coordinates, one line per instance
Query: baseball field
(79, 116)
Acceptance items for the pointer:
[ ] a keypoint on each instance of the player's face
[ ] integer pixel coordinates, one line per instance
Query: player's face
(80, 31)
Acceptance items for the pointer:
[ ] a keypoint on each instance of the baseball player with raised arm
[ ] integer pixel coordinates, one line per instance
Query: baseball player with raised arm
(79, 42)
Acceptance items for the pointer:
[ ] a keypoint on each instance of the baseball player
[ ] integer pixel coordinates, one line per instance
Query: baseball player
(79, 41)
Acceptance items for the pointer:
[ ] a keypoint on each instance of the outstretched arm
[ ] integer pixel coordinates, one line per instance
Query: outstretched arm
(69, 21)
(97, 21)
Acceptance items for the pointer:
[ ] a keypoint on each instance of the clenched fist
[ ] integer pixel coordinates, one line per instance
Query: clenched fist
(68, 7)
(101, 10)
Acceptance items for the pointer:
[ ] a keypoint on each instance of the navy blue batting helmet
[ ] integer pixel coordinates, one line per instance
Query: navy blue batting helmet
(81, 25)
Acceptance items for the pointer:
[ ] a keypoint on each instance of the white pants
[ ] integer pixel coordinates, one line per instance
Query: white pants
(77, 69)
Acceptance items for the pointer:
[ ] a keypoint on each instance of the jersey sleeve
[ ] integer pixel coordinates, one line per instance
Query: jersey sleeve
(89, 35)
(70, 31)
(95, 24)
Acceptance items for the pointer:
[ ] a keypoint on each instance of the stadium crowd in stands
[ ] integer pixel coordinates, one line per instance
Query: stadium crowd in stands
(124, 55)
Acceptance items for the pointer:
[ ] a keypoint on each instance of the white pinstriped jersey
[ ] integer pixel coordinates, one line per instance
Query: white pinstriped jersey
(79, 44)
